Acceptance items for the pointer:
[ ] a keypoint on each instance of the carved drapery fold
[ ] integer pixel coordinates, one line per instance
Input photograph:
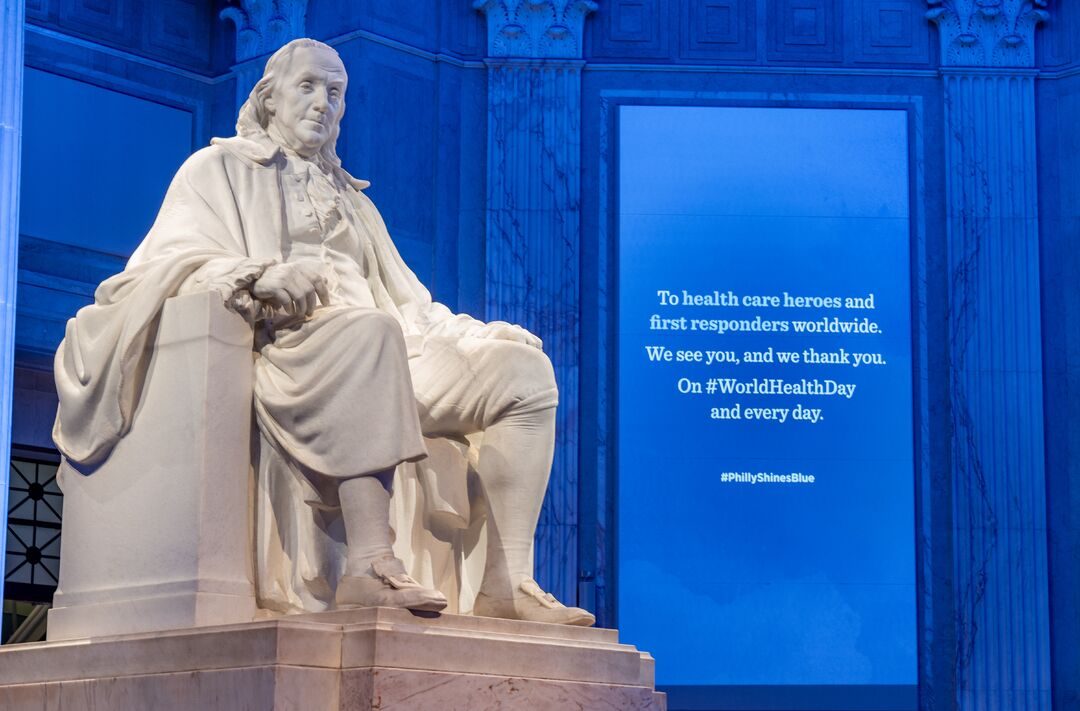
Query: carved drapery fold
(11, 99)
(535, 28)
(987, 33)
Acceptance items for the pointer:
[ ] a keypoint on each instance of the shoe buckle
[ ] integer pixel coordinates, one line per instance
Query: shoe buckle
(533, 590)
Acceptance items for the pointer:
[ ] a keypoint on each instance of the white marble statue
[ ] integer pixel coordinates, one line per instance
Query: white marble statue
(354, 364)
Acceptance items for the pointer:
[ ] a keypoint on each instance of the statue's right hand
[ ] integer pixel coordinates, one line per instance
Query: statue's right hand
(295, 287)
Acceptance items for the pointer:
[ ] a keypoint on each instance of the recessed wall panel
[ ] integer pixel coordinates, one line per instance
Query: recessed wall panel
(97, 162)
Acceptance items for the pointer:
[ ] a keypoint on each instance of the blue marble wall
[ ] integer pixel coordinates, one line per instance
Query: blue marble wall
(1058, 43)
(415, 126)
(435, 26)
(1059, 227)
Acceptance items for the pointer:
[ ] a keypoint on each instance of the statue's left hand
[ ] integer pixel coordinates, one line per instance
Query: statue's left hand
(296, 287)
(503, 331)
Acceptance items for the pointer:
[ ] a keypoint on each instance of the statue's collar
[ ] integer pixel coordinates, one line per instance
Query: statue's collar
(262, 150)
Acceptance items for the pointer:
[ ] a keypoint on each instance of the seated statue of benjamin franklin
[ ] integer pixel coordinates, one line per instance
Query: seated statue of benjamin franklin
(354, 362)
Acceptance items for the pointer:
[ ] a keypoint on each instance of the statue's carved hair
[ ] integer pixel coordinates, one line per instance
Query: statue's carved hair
(254, 117)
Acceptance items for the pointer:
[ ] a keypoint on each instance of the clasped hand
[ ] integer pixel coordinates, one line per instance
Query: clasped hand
(295, 287)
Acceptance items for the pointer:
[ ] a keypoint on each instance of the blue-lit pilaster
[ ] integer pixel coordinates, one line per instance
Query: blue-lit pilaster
(533, 227)
(996, 373)
(11, 96)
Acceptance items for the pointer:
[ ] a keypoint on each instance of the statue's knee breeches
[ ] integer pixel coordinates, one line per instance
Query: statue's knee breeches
(466, 385)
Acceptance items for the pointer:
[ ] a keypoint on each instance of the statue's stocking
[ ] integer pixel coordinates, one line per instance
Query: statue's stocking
(514, 465)
(365, 510)
(373, 576)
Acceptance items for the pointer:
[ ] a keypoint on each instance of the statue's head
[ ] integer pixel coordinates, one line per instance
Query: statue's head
(299, 101)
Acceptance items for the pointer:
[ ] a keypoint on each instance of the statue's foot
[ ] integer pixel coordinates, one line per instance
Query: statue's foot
(534, 605)
(386, 585)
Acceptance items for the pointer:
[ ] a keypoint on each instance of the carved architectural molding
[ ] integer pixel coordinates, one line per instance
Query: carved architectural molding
(264, 25)
(987, 33)
(537, 29)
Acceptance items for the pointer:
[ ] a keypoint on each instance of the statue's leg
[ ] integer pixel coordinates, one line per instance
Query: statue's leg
(514, 466)
(334, 398)
(373, 576)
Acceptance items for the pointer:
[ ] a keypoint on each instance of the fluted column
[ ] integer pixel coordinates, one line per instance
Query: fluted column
(533, 226)
(262, 26)
(11, 95)
(996, 378)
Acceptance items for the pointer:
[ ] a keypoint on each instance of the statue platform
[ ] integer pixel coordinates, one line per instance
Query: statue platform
(359, 659)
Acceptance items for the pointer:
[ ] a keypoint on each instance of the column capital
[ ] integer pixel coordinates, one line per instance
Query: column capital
(535, 28)
(264, 25)
(987, 33)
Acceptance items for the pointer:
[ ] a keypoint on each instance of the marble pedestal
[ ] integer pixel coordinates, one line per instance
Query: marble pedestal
(360, 659)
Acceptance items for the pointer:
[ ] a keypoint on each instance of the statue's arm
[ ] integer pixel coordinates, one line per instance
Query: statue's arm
(441, 321)
(203, 214)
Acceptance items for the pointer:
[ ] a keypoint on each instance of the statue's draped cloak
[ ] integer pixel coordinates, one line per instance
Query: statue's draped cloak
(220, 225)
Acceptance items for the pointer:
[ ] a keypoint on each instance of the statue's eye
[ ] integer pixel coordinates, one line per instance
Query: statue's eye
(335, 94)
(305, 86)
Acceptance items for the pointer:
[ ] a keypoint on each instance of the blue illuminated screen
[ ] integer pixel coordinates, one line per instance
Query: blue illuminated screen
(765, 478)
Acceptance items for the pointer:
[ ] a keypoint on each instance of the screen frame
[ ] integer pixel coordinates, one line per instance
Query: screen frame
(600, 422)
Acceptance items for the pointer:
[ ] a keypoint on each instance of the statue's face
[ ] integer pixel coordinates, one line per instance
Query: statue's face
(307, 100)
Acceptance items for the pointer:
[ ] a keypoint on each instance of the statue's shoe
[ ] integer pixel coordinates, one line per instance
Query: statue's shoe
(386, 585)
(534, 605)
